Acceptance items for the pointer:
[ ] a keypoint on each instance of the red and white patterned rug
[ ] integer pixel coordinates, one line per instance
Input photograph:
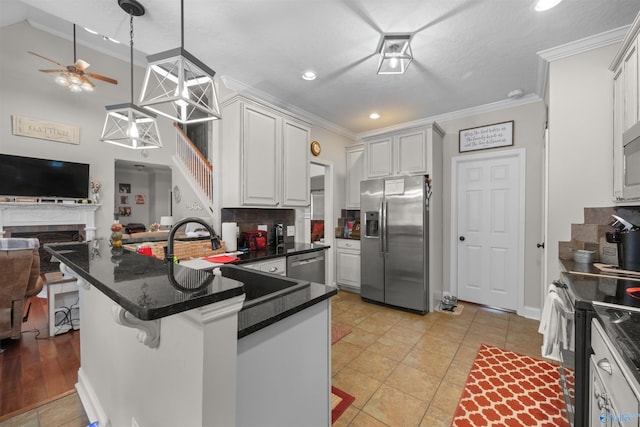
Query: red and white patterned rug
(512, 390)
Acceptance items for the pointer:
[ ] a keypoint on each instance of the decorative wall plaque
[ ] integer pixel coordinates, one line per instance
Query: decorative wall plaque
(483, 137)
(32, 128)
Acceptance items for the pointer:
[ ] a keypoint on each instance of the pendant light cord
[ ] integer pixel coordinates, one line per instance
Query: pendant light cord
(131, 51)
(182, 24)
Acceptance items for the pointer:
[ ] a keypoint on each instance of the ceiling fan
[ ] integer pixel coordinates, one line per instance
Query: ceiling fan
(74, 77)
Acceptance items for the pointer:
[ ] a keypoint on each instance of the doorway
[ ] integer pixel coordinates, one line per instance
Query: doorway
(319, 218)
(487, 249)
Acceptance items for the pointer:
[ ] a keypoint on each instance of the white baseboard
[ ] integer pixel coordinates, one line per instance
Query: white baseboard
(530, 313)
(89, 400)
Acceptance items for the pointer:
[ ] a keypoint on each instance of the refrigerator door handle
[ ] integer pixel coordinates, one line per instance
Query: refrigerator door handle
(380, 234)
(384, 226)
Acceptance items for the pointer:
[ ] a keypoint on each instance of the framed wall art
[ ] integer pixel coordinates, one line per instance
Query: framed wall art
(489, 136)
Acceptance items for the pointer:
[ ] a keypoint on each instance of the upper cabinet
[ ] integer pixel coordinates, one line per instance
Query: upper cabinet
(626, 105)
(264, 156)
(406, 152)
(355, 174)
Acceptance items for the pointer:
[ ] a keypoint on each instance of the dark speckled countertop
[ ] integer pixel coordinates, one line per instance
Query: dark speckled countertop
(141, 284)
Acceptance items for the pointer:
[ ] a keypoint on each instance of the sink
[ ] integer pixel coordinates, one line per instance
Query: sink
(260, 286)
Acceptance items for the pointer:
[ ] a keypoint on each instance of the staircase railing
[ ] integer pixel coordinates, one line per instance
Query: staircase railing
(195, 163)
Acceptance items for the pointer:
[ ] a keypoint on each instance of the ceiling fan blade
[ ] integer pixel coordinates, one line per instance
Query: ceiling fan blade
(53, 71)
(103, 78)
(47, 59)
(81, 65)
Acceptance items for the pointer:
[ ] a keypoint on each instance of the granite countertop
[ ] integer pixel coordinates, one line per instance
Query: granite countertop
(142, 285)
(271, 252)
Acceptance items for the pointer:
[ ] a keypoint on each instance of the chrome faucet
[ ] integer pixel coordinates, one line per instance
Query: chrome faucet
(215, 240)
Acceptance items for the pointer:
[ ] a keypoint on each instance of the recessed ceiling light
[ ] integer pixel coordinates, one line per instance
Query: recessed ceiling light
(374, 116)
(309, 75)
(542, 5)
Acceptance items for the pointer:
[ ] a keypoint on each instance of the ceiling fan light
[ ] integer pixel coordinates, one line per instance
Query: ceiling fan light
(395, 54)
(179, 86)
(86, 86)
(75, 88)
(61, 79)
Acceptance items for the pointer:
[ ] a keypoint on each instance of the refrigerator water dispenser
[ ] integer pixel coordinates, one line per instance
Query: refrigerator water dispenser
(372, 220)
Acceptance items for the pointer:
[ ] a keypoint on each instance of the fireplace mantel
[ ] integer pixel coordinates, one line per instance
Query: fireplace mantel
(26, 214)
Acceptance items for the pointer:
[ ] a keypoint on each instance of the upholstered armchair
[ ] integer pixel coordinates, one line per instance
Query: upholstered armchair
(19, 280)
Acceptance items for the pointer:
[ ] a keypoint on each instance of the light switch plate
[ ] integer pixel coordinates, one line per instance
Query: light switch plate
(262, 227)
(291, 230)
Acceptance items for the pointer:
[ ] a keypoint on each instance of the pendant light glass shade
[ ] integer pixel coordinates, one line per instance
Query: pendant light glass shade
(179, 86)
(130, 126)
(395, 54)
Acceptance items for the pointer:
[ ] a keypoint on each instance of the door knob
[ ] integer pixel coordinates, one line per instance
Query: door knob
(540, 245)
(462, 238)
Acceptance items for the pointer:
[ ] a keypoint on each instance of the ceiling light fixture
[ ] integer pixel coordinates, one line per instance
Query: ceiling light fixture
(374, 116)
(127, 124)
(395, 54)
(542, 5)
(179, 86)
(309, 75)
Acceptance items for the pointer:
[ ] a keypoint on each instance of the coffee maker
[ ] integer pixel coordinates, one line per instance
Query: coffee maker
(278, 236)
(627, 239)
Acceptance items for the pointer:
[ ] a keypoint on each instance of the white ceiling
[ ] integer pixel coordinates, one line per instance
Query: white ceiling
(467, 52)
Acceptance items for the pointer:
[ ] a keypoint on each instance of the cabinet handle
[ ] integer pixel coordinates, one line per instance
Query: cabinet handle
(348, 245)
(273, 269)
(605, 366)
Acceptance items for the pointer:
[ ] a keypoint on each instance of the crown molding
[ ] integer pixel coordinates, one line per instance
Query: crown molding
(633, 31)
(574, 48)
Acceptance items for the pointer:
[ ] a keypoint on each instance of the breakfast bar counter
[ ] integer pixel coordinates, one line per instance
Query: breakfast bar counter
(164, 344)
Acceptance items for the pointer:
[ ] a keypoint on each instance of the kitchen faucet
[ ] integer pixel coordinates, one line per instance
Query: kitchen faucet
(215, 240)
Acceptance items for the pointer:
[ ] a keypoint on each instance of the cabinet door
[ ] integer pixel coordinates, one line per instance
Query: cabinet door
(410, 153)
(355, 174)
(348, 267)
(378, 156)
(295, 176)
(260, 157)
(631, 96)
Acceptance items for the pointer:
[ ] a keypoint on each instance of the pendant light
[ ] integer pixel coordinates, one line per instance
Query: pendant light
(127, 124)
(179, 86)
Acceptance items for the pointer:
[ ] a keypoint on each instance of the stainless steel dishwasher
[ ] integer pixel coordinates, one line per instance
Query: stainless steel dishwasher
(308, 266)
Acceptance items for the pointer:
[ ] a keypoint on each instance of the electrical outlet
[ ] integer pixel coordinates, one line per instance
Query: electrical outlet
(291, 230)
(262, 227)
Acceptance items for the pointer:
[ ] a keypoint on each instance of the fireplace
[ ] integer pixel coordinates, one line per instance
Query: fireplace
(50, 223)
(48, 234)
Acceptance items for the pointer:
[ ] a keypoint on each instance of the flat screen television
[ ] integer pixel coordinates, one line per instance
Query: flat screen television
(31, 177)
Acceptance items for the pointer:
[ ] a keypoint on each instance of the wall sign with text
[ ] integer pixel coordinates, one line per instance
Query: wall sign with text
(490, 136)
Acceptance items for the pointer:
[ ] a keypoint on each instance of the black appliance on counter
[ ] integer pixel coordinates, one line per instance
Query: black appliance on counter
(582, 290)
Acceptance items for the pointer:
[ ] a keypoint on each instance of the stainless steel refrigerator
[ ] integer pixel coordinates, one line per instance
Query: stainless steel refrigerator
(395, 241)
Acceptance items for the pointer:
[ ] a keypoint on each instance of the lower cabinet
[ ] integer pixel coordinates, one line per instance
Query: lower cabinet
(348, 264)
(273, 266)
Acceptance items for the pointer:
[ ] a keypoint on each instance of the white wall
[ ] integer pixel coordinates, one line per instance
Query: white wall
(580, 98)
(27, 92)
(529, 122)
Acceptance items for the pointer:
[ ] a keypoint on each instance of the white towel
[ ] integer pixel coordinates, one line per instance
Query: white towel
(552, 324)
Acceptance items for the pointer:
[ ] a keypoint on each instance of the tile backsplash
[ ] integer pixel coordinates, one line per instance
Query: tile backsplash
(250, 219)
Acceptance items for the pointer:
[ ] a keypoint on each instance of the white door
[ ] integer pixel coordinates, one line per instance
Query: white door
(490, 228)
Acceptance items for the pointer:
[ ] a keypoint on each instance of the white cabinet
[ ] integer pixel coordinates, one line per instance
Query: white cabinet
(406, 152)
(273, 266)
(355, 174)
(264, 156)
(626, 102)
(348, 263)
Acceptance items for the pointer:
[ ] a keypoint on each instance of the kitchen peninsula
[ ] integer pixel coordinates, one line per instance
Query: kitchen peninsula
(181, 346)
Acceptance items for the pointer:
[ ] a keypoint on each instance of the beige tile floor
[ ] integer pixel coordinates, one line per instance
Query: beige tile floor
(403, 369)
(406, 369)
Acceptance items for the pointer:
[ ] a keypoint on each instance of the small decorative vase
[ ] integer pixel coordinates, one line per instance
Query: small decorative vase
(96, 198)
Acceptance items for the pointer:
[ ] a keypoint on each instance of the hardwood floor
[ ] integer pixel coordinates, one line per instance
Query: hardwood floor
(37, 368)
